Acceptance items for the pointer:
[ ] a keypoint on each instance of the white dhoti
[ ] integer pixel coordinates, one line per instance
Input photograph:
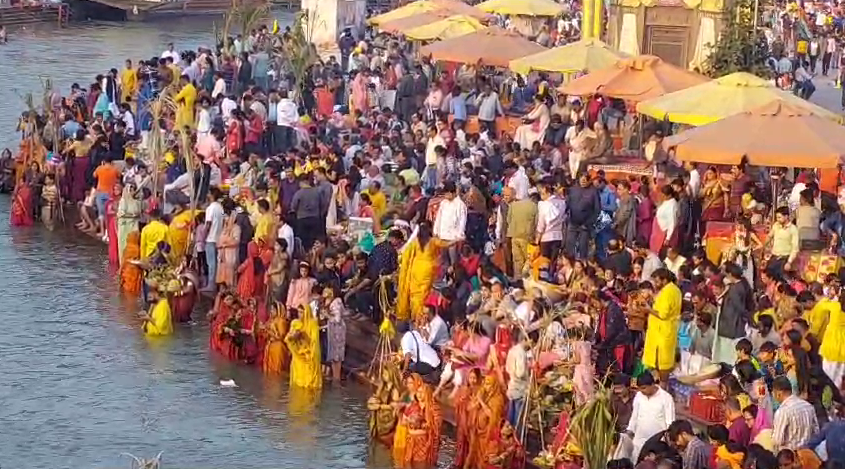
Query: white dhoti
(834, 370)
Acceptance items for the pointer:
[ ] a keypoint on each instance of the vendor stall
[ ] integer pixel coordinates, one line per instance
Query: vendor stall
(721, 98)
(778, 134)
(584, 55)
(635, 79)
(447, 28)
(491, 46)
(527, 16)
(455, 7)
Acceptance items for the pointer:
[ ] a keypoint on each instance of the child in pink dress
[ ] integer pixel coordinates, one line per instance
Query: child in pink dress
(582, 379)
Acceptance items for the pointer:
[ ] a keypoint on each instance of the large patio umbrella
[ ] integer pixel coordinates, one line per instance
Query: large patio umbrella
(447, 28)
(491, 46)
(522, 7)
(778, 133)
(586, 54)
(407, 23)
(723, 97)
(635, 79)
(455, 7)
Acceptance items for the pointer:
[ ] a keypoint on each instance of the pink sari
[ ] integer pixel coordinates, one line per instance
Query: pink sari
(111, 230)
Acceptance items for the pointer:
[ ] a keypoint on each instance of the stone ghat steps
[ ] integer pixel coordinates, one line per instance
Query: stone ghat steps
(23, 15)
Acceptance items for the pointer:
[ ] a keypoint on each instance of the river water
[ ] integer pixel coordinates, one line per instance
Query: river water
(79, 383)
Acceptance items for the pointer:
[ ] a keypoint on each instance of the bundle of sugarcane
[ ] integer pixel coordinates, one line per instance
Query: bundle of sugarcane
(592, 429)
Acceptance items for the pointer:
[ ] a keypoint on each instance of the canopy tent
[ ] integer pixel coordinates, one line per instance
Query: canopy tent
(455, 7)
(778, 133)
(586, 54)
(634, 79)
(491, 46)
(447, 28)
(522, 7)
(723, 97)
(402, 25)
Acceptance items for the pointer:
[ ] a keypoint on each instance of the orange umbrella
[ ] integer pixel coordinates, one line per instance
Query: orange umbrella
(491, 46)
(410, 22)
(775, 134)
(635, 79)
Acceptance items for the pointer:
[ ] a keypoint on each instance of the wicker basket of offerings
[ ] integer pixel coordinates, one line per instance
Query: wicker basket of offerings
(708, 372)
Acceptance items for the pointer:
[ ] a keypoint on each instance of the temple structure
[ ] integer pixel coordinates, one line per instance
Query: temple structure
(678, 31)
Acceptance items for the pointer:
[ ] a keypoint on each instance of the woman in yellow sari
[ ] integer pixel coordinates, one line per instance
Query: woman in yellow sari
(416, 273)
(303, 341)
(488, 410)
(158, 321)
(275, 352)
(179, 231)
(131, 275)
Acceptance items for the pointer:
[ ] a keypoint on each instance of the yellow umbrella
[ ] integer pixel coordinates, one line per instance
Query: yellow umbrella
(455, 7)
(447, 28)
(721, 98)
(586, 54)
(522, 7)
(410, 9)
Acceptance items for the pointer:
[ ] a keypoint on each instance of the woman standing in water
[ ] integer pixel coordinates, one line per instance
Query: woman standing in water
(128, 213)
(227, 251)
(111, 225)
(303, 341)
(275, 351)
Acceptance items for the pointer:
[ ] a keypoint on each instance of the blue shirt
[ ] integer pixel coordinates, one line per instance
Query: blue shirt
(608, 199)
(70, 128)
(685, 335)
(458, 107)
(834, 434)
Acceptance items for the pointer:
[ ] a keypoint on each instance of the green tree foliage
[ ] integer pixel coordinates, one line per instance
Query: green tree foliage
(740, 48)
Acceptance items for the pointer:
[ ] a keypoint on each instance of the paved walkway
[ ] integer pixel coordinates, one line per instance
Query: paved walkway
(827, 95)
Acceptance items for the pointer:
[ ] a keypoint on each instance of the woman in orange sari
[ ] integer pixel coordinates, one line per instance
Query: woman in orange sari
(220, 315)
(464, 417)
(488, 409)
(275, 352)
(508, 451)
(423, 420)
(131, 275)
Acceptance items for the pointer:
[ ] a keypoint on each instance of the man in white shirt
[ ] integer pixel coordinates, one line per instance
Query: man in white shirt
(551, 212)
(214, 217)
(170, 52)
(694, 184)
(128, 119)
(287, 116)
(286, 233)
(430, 172)
(219, 86)
(419, 356)
(436, 331)
(651, 261)
(227, 106)
(203, 119)
(653, 412)
(451, 220)
(518, 180)
(516, 366)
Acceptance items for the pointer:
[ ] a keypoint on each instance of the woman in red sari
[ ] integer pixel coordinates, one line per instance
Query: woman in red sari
(220, 314)
(422, 421)
(235, 133)
(464, 417)
(21, 214)
(251, 273)
(508, 452)
(111, 225)
(249, 352)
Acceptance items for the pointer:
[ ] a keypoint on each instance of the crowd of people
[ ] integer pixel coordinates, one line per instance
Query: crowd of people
(384, 190)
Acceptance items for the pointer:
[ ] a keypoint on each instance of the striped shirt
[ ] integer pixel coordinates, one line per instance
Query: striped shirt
(795, 422)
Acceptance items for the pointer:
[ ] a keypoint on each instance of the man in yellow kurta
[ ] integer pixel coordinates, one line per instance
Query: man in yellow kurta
(159, 321)
(377, 199)
(831, 350)
(819, 315)
(185, 101)
(264, 225)
(661, 337)
(128, 82)
(152, 233)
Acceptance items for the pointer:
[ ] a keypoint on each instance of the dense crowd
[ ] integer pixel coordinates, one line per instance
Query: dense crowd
(382, 186)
